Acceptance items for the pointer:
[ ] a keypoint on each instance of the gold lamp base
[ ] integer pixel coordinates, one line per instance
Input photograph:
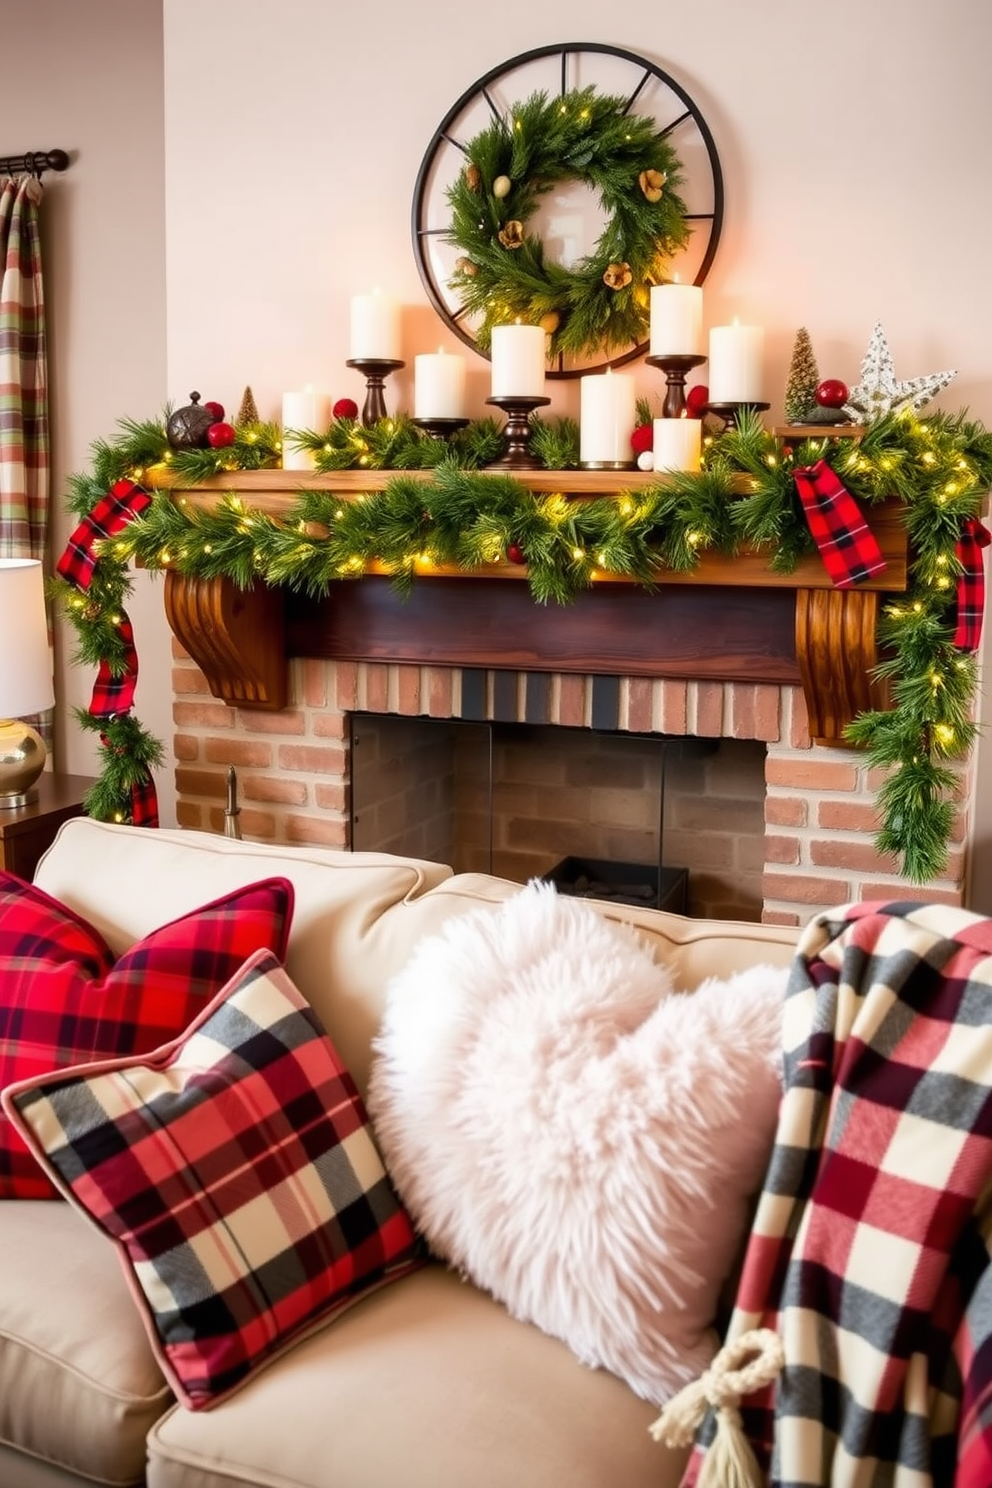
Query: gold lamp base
(22, 759)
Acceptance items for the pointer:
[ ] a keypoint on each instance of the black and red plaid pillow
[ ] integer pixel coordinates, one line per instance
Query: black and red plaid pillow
(237, 1174)
(65, 998)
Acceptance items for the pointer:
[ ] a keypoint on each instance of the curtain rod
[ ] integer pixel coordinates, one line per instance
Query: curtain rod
(34, 162)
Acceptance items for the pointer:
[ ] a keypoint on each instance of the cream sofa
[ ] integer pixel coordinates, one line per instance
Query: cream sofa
(427, 1383)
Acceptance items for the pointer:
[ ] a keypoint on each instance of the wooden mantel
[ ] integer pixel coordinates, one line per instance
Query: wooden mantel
(730, 619)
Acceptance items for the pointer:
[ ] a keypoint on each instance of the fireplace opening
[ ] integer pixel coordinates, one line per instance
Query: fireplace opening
(649, 818)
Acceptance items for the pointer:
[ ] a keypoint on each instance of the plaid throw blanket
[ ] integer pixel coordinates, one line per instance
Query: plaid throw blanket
(870, 1249)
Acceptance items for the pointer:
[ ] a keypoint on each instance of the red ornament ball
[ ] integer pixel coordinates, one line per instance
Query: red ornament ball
(832, 393)
(515, 553)
(642, 438)
(696, 400)
(219, 435)
(215, 410)
(345, 408)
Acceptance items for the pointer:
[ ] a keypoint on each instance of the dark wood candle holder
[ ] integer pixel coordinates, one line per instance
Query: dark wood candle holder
(731, 413)
(375, 370)
(674, 368)
(441, 428)
(517, 454)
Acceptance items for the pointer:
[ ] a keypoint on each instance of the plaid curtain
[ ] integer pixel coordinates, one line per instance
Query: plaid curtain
(24, 455)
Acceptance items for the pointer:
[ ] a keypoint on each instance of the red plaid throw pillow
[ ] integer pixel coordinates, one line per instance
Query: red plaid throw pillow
(236, 1172)
(65, 998)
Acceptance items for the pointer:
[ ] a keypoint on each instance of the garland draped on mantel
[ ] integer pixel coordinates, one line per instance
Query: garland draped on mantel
(940, 468)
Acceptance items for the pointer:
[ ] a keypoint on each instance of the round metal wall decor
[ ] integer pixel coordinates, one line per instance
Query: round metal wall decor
(564, 231)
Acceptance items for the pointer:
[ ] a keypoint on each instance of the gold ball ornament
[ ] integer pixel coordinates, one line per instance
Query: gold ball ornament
(549, 323)
(502, 186)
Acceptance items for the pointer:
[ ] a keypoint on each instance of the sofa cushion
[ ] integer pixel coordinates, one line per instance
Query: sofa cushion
(574, 1137)
(65, 998)
(235, 1171)
(79, 1384)
(354, 918)
(427, 1384)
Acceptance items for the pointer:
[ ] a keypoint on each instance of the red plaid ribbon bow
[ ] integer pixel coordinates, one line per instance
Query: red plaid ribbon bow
(847, 545)
(971, 584)
(112, 695)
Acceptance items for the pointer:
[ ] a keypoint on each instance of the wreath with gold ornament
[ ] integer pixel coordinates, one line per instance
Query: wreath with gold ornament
(600, 304)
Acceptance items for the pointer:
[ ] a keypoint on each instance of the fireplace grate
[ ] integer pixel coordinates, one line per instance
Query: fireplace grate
(645, 884)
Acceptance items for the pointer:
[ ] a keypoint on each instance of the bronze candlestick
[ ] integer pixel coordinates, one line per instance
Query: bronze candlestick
(674, 368)
(517, 454)
(375, 370)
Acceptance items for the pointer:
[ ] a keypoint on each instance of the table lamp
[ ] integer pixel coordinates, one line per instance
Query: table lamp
(25, 678)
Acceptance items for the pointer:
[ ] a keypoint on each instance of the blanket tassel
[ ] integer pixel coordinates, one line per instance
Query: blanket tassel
(740, 1368)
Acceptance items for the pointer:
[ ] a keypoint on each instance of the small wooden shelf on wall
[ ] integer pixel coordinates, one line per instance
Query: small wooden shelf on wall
(730, 619)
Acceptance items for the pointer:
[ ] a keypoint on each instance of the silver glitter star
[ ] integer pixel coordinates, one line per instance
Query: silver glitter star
(879, 393)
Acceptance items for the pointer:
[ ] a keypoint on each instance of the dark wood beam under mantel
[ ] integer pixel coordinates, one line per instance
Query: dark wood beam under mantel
(730, 619)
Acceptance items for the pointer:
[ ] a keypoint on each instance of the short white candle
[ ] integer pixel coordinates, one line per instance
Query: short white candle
(735, 370)
(608, 409)
(375, 328)
(677, 443)
(518, 353)
(438, 386)
(676, 320)
(304, 410)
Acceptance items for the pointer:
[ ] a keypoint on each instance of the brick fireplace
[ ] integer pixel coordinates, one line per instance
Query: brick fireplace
(807, 842)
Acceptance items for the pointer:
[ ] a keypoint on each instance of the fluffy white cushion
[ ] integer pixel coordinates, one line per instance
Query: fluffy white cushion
(574, 1136)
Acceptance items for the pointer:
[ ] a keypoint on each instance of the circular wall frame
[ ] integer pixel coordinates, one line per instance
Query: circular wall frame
(573, 219)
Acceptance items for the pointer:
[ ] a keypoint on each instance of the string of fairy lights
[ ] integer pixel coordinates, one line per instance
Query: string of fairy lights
(461, 517)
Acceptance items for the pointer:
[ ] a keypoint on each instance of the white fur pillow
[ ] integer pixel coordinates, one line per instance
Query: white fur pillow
(576, 1138)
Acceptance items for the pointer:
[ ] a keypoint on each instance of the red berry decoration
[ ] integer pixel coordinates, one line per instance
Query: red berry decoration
(697, 400)
(345, 408)
(515, 553)
(215, 410)
(832, 393)
(642, 438)
(219, 435)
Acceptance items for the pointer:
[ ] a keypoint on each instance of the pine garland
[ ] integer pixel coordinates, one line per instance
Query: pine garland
(939, 467)
(600, 304)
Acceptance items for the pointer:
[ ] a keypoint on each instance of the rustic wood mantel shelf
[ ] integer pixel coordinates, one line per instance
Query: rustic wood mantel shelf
(730, 619)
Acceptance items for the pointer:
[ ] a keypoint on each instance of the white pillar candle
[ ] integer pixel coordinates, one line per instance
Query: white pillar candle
(304, 410)
(375, 328)
(676, 320)
(677, 443)
(608, 410)
(735, 370)
(518, 353)
(438, 386)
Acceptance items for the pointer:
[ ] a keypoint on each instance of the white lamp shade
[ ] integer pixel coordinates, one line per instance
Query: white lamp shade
(25, 660)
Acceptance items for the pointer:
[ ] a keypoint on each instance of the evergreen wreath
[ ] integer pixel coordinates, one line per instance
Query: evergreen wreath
(600, 304)
(940, 467)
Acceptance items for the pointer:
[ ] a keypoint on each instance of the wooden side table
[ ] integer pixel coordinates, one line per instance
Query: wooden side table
(26, 831)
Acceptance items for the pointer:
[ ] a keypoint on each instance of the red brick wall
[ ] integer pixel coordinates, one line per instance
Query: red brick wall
(817, 847)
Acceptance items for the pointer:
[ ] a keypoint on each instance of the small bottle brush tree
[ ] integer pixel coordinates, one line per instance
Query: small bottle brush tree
(803, 380)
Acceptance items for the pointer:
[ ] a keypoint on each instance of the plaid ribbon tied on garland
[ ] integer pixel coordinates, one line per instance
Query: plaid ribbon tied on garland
(113, 690)
(846, 543)
(971, 584)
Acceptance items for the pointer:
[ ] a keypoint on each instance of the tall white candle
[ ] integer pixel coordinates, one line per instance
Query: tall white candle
(677, 443)
(518, 353)
(676, 320)
(303, 410)
(375, 328)
(607, 412)
(735, 370)
(438, 386)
